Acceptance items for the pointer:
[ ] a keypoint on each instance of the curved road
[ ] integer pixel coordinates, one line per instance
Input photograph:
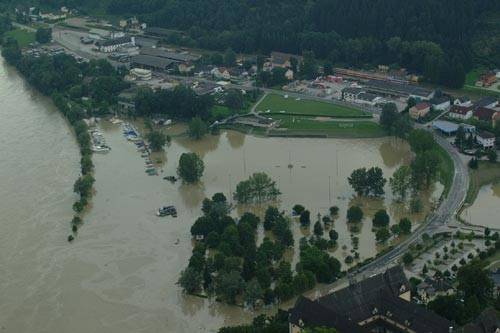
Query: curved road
(442, 216)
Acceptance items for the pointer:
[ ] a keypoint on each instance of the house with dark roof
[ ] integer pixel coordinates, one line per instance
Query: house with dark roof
(484, 114)
(399, 89)
(440, 103)
(462, 101)
(486, 139)
(430, 288)
(461, 112)
(280, 59)
(380, 303)
(486, 102)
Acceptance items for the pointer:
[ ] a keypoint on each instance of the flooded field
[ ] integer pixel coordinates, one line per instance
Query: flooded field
(486, 208)
(120, 274)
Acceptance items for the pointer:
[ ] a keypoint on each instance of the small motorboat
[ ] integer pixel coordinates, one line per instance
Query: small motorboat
(167, 211)
(172, 179)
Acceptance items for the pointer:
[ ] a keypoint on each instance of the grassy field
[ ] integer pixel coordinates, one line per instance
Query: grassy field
(485, 174)
(303, 126)
(23, 37)
(279, 104)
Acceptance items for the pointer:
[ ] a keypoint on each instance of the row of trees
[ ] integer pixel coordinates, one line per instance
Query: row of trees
(61, 77)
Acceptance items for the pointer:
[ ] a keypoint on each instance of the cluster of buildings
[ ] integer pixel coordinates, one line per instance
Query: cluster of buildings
(381, 303)
(488, 79)
(34, 14)
(160, 59)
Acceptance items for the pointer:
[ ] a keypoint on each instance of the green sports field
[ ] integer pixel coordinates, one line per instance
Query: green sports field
(279, 104)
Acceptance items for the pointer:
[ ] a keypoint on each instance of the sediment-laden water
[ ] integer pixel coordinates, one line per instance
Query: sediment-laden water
(120, 274)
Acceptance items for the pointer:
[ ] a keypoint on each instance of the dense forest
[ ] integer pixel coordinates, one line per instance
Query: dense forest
(438, 38)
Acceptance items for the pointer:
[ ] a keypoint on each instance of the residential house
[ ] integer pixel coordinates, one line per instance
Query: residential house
(484, 114)
(351, 93)
(462, 101)
(487, 80)
(185, 67)
(420, 110)
(280, 59)
(486, 102)
(111, 45)
(486, 139)
(380, 303)
(221, 73)
(289, 75)
(461, 112)
(430, 288)
(440, 103)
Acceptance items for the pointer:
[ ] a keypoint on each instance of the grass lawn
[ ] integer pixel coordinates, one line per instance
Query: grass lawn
(473, 76)
(300, 125)
(278, 103)
(485, 174)
(23, 37)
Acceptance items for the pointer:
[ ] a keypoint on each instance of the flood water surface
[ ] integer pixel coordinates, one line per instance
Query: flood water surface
(120, 274)
(485, 210)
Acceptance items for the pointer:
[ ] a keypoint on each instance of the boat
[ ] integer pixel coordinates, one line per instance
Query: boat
(172, 179)
(167, 211)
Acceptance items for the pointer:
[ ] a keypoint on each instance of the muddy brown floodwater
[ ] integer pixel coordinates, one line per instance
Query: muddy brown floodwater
(485, 210)
(120, 274)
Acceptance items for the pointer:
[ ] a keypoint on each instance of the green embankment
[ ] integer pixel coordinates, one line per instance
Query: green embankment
(446, 169)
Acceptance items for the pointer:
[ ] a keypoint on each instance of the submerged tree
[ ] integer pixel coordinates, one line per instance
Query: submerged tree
(157, 140)
(258, 188)
(190, 167)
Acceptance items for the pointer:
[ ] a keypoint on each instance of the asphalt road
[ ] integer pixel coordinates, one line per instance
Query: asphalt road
(443, 215)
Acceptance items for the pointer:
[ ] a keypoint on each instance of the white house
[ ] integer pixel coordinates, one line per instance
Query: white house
(441, 103)
(221, 73)
(461, 112)
(289, 75)
(462, 101)
(486, 139)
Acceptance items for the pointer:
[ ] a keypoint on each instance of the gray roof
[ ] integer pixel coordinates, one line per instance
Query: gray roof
(162, 53)
(145, 42)
(156, 62)
(404, 89)
(439, 100)
(377, 296)
(485, 101)
(445, 126)
(486, 135)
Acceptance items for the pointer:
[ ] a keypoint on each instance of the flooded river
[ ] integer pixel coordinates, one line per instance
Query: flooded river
(120, 274)
(486, 208)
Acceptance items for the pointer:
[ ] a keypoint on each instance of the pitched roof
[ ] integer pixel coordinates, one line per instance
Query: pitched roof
(484, 114)
(422, 106)
(487, 322)
(307, 312)
(281, 58)
(151, 61)
(485, 101)
(439, 100)
(460, 109)
(375, 299)
(486, 135)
